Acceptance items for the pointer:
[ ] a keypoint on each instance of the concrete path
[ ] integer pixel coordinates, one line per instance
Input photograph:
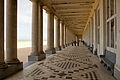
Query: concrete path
(72, 63)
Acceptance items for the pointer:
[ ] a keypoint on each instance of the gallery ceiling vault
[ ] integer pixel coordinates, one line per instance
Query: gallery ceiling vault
(74, 13)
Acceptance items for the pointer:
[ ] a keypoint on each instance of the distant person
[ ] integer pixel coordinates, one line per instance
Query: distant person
(72, 42)
(78, 43)
(75, 43)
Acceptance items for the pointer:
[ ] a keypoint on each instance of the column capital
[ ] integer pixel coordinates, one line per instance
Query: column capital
(60, 22)
(48, 10)
(39, 1)
(34, 0)
(57, 18)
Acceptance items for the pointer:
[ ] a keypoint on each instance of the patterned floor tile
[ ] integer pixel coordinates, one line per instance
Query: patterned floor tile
(72, 63)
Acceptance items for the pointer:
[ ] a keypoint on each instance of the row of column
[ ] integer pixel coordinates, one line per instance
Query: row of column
(37, 32)
(11, 33)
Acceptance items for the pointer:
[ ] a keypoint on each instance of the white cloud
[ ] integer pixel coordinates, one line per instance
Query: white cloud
(24, 19)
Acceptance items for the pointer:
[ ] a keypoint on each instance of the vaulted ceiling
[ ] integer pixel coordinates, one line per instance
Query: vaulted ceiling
(74, 13)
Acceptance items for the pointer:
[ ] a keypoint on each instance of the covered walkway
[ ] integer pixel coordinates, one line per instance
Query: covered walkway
(72, 63)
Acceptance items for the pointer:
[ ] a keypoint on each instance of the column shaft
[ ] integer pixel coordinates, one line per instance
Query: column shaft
(37, 32)
(34, 28)
(40, 28)
(62, 35)
(57, 34)
(2, 63)
(50, 34)
(11, 31)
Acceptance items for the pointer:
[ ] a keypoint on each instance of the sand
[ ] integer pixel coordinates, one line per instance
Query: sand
(24, 52)
(24, 49)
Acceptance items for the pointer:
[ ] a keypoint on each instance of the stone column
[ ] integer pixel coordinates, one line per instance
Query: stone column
(95, 33)
(11, 32)
(40, 31)
(62, 35)
(37, 32)
(2, 63)
(50, 34)
(57, 34)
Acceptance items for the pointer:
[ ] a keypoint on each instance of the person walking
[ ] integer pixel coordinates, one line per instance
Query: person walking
(75, 43)
(72, 42)
(78, 43)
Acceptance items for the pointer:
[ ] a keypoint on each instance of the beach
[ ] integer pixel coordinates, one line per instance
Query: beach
(24, 49)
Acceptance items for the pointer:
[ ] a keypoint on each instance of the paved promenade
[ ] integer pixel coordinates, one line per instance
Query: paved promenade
(72, 63)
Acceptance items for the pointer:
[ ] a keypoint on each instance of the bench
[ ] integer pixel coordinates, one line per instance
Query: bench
(91, 48)
(109, 60)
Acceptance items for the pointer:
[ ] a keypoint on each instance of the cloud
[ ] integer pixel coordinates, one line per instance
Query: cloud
(24, 19)
(24, 12)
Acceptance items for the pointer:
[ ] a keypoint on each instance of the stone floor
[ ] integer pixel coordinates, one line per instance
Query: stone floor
(72, 63)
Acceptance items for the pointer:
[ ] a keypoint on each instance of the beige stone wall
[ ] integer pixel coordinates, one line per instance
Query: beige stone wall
(117, 66)
(86, 36)
(103, 41)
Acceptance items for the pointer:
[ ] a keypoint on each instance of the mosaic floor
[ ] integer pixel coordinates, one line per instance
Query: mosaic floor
(72, 63)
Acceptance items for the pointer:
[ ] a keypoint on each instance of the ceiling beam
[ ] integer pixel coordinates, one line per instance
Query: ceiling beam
(68, 10)
(55, 2)
(71, 7)
(75, 11)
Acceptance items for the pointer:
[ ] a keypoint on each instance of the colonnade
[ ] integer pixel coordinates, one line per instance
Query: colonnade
(12, 63)
(37, 32)
(37, 35)
(11, 33)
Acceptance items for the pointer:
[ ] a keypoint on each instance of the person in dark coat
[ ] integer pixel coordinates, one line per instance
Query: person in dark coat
(78, 43)
(72, 42)
(75, 43)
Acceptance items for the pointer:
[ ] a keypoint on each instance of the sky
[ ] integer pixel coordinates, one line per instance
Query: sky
(24, 21)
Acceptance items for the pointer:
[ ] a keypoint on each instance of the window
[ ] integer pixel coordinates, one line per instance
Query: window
(108, 9)
(98, 25)
(98, 21)
(108, 34)
(112, 8)
(98, 36)
(112, 33)
(111, 23)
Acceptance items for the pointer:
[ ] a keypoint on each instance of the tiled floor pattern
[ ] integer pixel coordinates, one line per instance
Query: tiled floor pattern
(72, 63)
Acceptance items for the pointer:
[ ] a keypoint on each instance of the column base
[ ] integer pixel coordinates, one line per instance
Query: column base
(62, 47)
(36, 58)
(12, 61)
(11, 69)
(49, 52)
(3, 65)
(95, 52)
(57, 49)
(117, 73)
(66, 45)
